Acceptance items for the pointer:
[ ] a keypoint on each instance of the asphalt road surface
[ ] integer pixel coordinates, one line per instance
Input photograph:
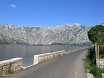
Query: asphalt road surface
(67, 66)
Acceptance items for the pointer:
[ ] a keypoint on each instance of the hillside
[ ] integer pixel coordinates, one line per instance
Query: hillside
(61, 34)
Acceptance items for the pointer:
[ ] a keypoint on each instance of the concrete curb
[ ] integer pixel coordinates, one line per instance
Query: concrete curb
(89, 75)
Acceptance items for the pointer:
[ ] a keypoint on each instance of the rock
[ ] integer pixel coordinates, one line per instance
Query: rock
(89, 75)
(102, 75)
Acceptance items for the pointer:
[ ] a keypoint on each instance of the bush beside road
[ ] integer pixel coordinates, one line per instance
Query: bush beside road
(90, 64)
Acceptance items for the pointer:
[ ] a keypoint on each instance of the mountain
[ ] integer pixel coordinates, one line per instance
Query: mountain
(60, 34)
(102, 23)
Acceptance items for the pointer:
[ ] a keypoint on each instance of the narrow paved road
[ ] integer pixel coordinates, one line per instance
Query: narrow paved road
(67, 66)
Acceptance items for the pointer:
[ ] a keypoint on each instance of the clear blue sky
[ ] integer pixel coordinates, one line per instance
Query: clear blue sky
(51, 12)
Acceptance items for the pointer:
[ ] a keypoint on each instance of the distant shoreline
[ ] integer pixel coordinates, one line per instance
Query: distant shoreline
(47, 45)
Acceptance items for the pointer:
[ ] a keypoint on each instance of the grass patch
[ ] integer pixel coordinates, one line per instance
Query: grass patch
(88, 65)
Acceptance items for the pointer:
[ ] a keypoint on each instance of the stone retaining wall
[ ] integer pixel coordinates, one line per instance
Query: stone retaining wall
(100, 63)
(42, 57)
(10, 66)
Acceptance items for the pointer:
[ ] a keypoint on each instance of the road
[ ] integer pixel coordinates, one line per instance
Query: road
(67, 66)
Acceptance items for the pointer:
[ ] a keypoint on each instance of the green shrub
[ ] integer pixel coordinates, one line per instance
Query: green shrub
(90, 64)
(9, 70)
(97, 72)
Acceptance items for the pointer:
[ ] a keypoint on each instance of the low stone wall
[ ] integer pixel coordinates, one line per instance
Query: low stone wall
(15, 64)
(10, 66)
(100, 63)
(42, 57)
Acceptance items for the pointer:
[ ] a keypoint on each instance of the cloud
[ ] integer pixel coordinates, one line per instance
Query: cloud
(12, 5)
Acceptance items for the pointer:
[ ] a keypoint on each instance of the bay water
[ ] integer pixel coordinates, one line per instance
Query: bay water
(28, 52)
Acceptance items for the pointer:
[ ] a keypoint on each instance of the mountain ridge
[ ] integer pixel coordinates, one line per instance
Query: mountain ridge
(64, 34)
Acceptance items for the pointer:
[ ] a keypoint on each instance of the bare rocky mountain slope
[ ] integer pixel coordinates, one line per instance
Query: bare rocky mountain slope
(64, 34)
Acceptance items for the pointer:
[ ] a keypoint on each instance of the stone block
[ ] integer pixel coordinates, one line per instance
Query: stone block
(36, 59)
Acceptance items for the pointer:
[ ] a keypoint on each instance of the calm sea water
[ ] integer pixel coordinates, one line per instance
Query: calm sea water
(27, 52)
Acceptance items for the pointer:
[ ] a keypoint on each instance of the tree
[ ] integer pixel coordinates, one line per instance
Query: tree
(96, 36)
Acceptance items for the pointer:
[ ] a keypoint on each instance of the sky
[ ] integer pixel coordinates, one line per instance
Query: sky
(51, 12)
